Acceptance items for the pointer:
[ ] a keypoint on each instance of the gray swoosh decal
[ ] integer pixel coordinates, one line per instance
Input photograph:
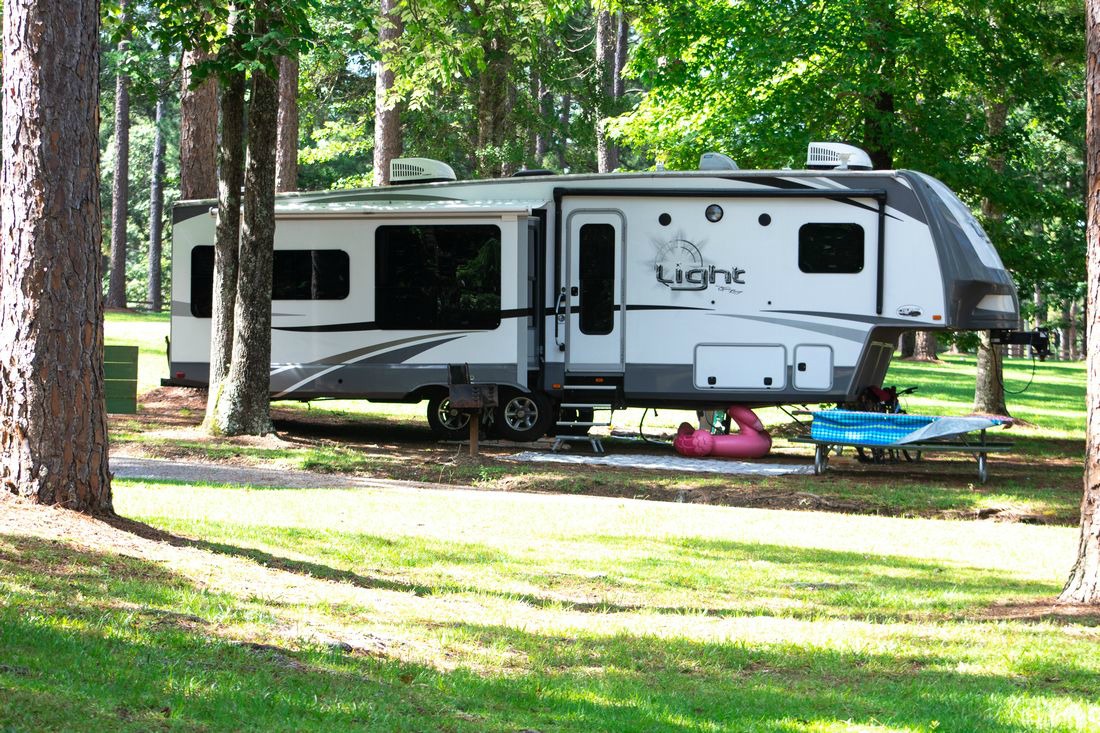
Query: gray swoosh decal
(876, 320)
(848, 334)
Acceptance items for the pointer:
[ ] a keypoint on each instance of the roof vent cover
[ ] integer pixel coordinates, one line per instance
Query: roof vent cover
(716, 162)
(420, 170)
(837, 156)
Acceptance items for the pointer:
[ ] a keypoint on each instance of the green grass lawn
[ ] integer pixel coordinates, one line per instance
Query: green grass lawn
(466, 610)
(401, 610)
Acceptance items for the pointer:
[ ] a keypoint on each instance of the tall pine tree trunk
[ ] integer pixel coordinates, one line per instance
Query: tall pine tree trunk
(53, 426)
(907, 344)
(1083, 585)
(120, 193)
(387, 115)
(227, 230)
(1071, 331)
(989, 393)
(925, 346)
(243, 404)
(286, 160)
(198, 133)
(564, 117)
(607, 155)
(493, 106)
(156, 209)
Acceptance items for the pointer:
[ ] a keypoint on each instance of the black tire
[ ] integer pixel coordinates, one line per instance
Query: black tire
(521, 416)
(447, 423)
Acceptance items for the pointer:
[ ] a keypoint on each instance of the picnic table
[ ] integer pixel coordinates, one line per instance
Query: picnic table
(832, 429)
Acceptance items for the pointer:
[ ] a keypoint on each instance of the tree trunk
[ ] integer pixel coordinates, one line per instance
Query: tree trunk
(607, 155)
(1083, 585)
(563, 131)
(243, 404)
(1071, 331)
(53, 426)
(989, 393)
(925, 346)
(198, 133)
(622, 46)
(156, 208)
(907, 344)
(286, 160)
(493, 106)
(989, 388)
(226, 238)
(387, 115)
(878, 138)
(120, 192)
(542, 129)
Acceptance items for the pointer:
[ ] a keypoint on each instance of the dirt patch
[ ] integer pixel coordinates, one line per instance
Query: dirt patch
(1044, 610)
(403, 449)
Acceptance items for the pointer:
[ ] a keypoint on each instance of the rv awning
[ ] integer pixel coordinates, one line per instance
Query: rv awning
(309, 210)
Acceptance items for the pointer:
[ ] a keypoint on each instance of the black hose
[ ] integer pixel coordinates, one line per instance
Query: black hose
(1029, 379)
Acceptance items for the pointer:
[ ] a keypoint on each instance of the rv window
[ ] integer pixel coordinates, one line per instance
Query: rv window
(438, 277)
(830, 248)
(296, 274)
(597, 279)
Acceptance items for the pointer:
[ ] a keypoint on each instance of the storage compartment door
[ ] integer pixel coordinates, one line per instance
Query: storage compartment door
(813, 367)
(720, 366)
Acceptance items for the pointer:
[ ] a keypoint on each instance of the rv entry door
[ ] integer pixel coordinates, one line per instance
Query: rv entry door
(594, 291)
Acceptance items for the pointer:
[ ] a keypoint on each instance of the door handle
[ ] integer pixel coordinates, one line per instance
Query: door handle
(559, 318)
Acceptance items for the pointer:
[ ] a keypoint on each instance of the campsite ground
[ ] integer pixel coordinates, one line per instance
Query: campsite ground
(553, 599)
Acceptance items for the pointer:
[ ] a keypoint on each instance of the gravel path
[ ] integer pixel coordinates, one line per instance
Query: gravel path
(212, 473)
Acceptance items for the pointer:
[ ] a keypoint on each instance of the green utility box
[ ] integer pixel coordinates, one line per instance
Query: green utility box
(120, 365)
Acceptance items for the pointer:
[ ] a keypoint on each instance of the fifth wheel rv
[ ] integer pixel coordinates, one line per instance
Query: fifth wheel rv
(675, 289)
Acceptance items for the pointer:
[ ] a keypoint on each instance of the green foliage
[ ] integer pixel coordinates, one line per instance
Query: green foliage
(912, 82)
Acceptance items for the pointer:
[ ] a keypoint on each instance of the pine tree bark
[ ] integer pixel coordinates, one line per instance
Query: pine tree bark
(53, 427)
(493, 106)
(286, 160)
(563, 130)
(156, 209)
(607, 154)
(1071, 331)
(226, 238)
(243, 405)
(198, 133)
(989, 393)
(1083, 585)
(387, 116)
(120, 192)
(989, 387)
(925, 346)
(907, 344)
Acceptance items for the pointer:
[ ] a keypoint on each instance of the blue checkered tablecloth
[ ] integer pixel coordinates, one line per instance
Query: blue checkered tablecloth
(877, 428)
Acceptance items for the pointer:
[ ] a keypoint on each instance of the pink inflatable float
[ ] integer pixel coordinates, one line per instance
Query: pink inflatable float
(753, 441)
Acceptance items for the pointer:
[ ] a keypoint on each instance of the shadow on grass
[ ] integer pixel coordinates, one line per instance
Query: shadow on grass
(723, 578)
(85, 645)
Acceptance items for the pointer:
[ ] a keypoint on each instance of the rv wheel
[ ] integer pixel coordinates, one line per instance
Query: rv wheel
(446, 422)
(521, 416)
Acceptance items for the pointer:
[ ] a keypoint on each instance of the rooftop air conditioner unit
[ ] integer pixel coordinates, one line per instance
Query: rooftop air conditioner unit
(420, 170)
(716, 162)
(837, 156)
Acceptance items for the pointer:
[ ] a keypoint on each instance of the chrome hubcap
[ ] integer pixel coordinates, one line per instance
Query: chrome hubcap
(521, 413)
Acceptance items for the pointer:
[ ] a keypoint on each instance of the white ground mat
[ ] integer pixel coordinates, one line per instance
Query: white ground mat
(665, 463)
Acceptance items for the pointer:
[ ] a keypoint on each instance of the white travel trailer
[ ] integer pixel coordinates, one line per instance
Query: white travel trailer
(679, 289)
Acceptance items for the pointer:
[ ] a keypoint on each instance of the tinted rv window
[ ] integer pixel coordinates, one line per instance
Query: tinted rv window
(296, 274)
(830, 248)
(597, 279)
(440, 276)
